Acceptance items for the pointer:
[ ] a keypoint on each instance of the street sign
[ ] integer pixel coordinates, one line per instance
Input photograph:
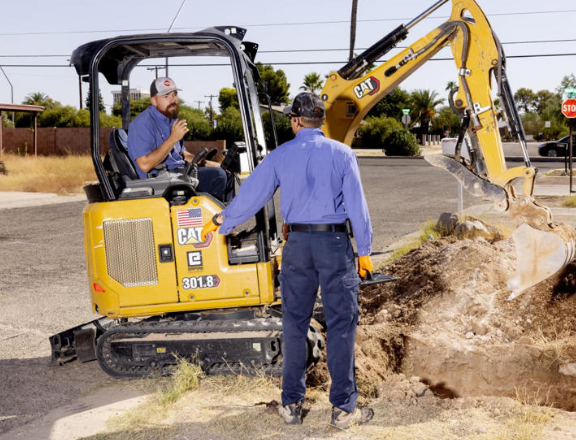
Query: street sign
(569, 93)
(406, 119)
(569, 108)
(547, 124)
(405, 111)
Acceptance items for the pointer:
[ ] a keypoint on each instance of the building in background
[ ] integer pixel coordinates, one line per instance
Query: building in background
(135, 95)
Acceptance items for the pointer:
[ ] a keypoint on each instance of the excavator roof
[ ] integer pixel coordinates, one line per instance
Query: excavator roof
(117, 54)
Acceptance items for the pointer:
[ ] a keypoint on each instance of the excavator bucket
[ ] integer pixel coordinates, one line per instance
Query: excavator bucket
(540, 254)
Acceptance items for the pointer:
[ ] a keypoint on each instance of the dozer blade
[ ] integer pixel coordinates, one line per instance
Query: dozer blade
(540, 254)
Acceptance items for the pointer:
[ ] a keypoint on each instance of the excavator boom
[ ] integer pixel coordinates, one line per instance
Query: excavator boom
(543, 247)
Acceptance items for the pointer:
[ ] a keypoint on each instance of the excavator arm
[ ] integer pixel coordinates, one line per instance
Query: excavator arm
(543, 247)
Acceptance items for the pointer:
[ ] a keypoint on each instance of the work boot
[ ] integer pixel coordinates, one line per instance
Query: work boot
(292, 414)
(343, 420)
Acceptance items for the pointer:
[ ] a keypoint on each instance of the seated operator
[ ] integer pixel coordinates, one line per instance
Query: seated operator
(156, 137)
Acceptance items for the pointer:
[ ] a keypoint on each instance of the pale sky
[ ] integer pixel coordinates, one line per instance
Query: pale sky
(57, 27)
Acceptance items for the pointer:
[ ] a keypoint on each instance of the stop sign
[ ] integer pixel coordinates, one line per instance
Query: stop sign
(569, 108)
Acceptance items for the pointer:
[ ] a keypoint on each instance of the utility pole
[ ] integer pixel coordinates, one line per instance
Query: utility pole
(156, 69)
(211, 109)
(199, 102)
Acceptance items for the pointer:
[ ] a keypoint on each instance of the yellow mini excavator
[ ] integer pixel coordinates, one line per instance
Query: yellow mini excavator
(164, 294)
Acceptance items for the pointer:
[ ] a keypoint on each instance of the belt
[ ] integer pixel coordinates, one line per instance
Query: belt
(341, 227)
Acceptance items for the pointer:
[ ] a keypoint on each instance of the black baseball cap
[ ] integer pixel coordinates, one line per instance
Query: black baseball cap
(306, 104)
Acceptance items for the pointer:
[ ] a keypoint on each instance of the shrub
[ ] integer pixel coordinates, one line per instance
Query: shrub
(401, 142)
(377, 129)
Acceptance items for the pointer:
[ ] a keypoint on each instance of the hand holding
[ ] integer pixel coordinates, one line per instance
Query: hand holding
(208, 227)
(179, 129)
(364, 265)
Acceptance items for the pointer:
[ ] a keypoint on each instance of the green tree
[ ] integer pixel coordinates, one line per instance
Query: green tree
(542, 99)
(401, 142)
(312, 82)
(451, 85)
(445, 120)
(6, 121)
(136, 107)
(424, 104)
(34, 98)
(526, 99)
(198, 125)
(39, 98)
(392, 104)
(375, 130)
(283, 128)
(229, 126)
(101, 107)
(569, 81)
(228, 97)
(274, 82)
(107, 120)
(62, 116)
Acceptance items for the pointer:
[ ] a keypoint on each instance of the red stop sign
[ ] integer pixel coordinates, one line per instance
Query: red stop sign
(569, 108)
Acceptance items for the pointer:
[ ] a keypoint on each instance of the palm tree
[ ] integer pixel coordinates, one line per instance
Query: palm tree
(39, 98)
(451, 85)
(312, 82)
(424, 104)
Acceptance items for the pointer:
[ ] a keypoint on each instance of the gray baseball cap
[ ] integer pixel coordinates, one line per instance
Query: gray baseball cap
(306, 104)
(162, 86)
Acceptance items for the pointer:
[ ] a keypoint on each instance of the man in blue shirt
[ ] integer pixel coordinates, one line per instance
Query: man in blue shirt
(156, 137)
(320, 189)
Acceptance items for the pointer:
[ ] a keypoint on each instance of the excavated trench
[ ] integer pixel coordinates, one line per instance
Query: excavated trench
(447, 321)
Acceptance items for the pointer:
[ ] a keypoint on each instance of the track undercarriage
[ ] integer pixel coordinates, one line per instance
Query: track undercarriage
(226, 342)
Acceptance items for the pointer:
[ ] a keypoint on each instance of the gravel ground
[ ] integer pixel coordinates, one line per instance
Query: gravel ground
(42, 292)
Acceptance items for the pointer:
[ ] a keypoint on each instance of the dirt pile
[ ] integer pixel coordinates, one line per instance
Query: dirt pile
(447, 321)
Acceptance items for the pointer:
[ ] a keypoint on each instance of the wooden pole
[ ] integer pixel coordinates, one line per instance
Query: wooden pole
(0, 133)
(35, 134)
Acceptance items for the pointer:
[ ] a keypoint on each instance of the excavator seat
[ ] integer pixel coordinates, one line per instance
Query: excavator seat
(119, 151)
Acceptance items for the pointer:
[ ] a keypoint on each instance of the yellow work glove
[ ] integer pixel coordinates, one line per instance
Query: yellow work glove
(364, 265)
(209, 227)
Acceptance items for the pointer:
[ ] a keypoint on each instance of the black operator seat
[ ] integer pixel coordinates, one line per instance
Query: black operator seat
(119, 150)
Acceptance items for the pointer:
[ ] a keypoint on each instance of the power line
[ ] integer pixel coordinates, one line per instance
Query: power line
(564, 40)
(288, 63)
(308, 23)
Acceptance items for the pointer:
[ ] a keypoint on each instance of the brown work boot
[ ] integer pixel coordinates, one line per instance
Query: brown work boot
(343, 420)
(292, 414)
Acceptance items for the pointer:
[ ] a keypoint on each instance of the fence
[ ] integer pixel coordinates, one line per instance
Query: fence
(55, 141)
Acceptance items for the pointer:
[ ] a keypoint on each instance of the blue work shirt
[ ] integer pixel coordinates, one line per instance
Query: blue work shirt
(147, 132)
(319, 182)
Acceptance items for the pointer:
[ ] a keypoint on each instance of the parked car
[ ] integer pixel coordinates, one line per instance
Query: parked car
(557, 148)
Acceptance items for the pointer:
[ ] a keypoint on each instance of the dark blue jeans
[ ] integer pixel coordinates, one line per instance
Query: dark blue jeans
(309, 260)
(217, 182)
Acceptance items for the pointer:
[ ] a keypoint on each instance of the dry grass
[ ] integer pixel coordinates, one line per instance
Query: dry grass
(529, 418)
(555, 350)
(147, 421)
(60, 175)
(569, 202)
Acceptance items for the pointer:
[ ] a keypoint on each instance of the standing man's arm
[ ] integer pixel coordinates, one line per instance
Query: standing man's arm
(357, 210)
(254, 193)
(156, 157)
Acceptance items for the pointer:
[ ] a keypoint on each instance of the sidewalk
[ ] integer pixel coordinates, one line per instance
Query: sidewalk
(18, 199)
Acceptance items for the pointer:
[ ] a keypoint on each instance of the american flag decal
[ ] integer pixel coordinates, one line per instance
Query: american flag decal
(190, 217)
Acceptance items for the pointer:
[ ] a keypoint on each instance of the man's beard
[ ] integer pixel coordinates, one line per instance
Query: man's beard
(171, 112)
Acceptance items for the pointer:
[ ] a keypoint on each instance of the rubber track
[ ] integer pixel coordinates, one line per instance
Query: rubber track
(142, 329)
